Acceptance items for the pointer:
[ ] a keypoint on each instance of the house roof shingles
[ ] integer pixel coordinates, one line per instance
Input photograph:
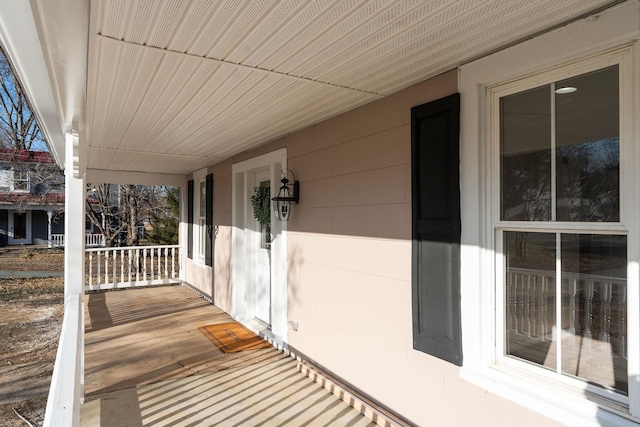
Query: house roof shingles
(13, 155)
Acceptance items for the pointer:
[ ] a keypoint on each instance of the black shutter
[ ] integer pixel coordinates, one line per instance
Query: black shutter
(435, 157)
(190, 219)
(208, 259)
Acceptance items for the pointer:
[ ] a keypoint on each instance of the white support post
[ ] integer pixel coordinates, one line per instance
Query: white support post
(49, 237)
(183, 231)
(74, 232)
(67, 384)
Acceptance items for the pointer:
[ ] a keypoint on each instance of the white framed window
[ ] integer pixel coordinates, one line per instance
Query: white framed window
(562, 229)
(21, 180)
(200, 215)
(202, 219)
(492, 230)
(6, 180)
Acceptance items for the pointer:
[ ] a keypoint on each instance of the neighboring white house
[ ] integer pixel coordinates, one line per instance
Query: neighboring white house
(466, 246)
(31, 198)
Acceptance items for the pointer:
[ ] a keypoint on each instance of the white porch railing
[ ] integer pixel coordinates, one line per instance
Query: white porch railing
(66, 391)
(132, 266)
(90, 240)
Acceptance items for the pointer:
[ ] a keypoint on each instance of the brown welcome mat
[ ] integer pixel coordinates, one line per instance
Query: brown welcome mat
(233, 337)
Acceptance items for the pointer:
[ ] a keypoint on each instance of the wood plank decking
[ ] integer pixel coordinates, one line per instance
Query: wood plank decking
(147, 364)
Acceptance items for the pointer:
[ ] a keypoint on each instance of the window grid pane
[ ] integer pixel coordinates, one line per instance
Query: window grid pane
(593, 330)
(594, 298)
(560, 151)
(530, 299)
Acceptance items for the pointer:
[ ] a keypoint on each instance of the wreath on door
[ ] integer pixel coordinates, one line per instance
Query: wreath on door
(261, 203)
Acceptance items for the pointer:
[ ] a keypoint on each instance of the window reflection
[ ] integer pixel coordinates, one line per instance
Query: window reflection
(593, 331)
(531, 296)
(588, 148)
(525, 149)
(581, 130)
(594, 306)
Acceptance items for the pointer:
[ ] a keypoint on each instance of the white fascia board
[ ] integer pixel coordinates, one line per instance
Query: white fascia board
(19, 38)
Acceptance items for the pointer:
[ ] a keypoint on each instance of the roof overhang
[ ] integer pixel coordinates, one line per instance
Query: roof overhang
(168, 87)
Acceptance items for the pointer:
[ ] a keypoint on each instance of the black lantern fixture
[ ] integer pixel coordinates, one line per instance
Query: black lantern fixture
(286, 200)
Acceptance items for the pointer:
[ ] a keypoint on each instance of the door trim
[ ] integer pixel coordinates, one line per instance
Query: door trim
(242, 309)
(10, 239)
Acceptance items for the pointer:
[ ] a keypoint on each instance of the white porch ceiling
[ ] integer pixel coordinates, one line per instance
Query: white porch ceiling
(175, 85)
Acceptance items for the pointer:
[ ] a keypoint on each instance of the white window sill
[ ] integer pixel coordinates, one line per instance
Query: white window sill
(199, 262)
(569, 406)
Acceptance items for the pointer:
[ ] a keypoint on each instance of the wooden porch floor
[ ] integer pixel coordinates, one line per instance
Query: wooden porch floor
(147, 364)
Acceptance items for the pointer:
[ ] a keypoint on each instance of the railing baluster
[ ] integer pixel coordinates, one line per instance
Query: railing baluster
(144, 266)
(114, 260)
(588, 310)
(605, 333)
(106, 267)
(121, 265)
(534, 304)
(152, 263)
(173, 263)
(90, 270)
(510, 306)
(527, 304)
(544, 311)
(166, 263)
(621, 299)
(129, 266)
(137, 265)
(519, 305)
(574, 327)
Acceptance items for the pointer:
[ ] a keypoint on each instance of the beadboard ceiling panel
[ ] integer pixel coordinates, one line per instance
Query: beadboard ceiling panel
(176, 85)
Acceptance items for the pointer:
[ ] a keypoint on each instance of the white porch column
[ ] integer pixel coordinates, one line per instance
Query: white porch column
(67, 383)
(182, 233)
(74, 236)
(74, 224)
(49, 216)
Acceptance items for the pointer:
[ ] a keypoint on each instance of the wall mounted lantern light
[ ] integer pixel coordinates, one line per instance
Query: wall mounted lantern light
(286, 200)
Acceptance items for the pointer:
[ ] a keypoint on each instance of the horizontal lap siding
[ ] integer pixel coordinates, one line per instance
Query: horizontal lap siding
(349, 260)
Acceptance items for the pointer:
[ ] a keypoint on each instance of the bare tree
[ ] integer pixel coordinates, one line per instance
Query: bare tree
(137, 203)
(18, 126)
(119, 211)
(28, 173)
(102, 210)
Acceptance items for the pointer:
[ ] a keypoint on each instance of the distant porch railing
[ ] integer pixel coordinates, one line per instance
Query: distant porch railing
(593, 306)
(90, 240)
(125, 267)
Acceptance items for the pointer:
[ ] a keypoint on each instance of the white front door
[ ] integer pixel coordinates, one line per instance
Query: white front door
(260, 247)
(259, 274)
(19, 228)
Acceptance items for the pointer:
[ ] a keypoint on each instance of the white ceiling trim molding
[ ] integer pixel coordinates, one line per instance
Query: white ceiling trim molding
(97, 176)
(243, 67)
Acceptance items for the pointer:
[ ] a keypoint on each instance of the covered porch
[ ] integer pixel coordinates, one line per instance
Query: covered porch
(146, 363)
(222, 98)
